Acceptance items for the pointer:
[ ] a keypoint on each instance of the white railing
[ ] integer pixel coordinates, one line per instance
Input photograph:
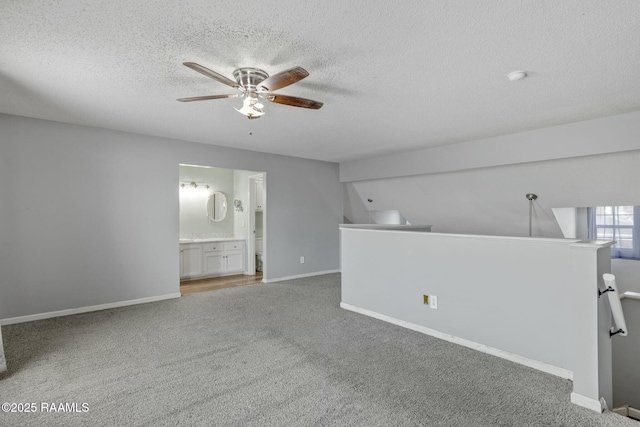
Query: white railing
(630, 295)
(616, 307)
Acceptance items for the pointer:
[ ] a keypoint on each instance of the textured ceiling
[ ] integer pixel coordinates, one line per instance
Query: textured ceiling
(394, 76)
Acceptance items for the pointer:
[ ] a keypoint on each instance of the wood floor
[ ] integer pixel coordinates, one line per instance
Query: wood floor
(193, 286)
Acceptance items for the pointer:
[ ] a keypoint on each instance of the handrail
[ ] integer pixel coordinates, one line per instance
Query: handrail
(616, 306)
(630, 295)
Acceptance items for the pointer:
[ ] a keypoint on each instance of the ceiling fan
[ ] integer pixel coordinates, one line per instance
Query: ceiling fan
(254, 84)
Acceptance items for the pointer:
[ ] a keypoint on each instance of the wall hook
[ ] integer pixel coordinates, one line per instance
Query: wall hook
(611, 333)
(609, 289)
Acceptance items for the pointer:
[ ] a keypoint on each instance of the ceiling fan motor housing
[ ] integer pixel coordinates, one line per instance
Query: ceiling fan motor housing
(249, 78)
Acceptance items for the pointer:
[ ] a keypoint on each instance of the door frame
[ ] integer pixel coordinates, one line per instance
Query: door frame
(251, 238)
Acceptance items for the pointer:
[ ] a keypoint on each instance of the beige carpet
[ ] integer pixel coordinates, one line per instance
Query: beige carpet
(279, 354)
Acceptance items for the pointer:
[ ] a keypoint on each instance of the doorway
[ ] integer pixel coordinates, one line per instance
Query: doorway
(217, 227)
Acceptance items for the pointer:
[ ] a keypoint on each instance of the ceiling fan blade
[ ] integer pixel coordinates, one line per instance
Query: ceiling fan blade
(294, 101)
(207, 97)
(280, 80)
(212, 74)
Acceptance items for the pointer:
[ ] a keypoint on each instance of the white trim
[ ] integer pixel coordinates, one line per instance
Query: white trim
(532, 363)
(627, 411)
(586, 402)
(300, 276)
(68, 312)
(624, 411)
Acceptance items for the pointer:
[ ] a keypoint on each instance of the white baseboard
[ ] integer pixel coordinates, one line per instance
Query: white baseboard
(627, 411)
(40, 316)
(587, 402)
(532, 363)
(299, 276)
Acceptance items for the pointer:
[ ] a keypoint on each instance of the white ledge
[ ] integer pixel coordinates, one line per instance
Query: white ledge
(593, 244)
(392, 227)
(574, 243)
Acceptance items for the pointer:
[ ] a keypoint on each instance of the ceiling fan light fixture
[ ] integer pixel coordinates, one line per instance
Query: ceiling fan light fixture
(251, 107)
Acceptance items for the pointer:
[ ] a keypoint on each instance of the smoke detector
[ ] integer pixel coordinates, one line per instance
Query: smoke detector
(514, 76)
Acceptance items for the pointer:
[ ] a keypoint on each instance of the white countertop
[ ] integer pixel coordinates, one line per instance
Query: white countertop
(211, 239)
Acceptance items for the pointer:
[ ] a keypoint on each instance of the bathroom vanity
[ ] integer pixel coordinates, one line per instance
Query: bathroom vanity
(200, 258)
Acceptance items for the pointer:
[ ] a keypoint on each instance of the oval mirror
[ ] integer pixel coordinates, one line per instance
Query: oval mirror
(217, 206)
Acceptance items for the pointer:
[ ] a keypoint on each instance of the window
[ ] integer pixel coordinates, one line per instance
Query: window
(619, 223)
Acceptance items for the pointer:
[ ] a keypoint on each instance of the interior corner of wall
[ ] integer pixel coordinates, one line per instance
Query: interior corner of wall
(566, 219)
(587, 402)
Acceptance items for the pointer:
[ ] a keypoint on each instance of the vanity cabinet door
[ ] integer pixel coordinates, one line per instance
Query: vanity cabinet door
(235, 261)
(214, 263)
(190, 260)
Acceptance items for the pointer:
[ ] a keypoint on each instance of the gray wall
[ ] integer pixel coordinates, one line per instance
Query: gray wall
(591, 137)
(90, 216)
(534, 298)
(479, 187)
(498, 299)
(492, 200)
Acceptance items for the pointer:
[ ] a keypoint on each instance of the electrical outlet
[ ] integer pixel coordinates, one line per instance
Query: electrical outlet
(301, 260)
(433, 302)
(425, 299)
